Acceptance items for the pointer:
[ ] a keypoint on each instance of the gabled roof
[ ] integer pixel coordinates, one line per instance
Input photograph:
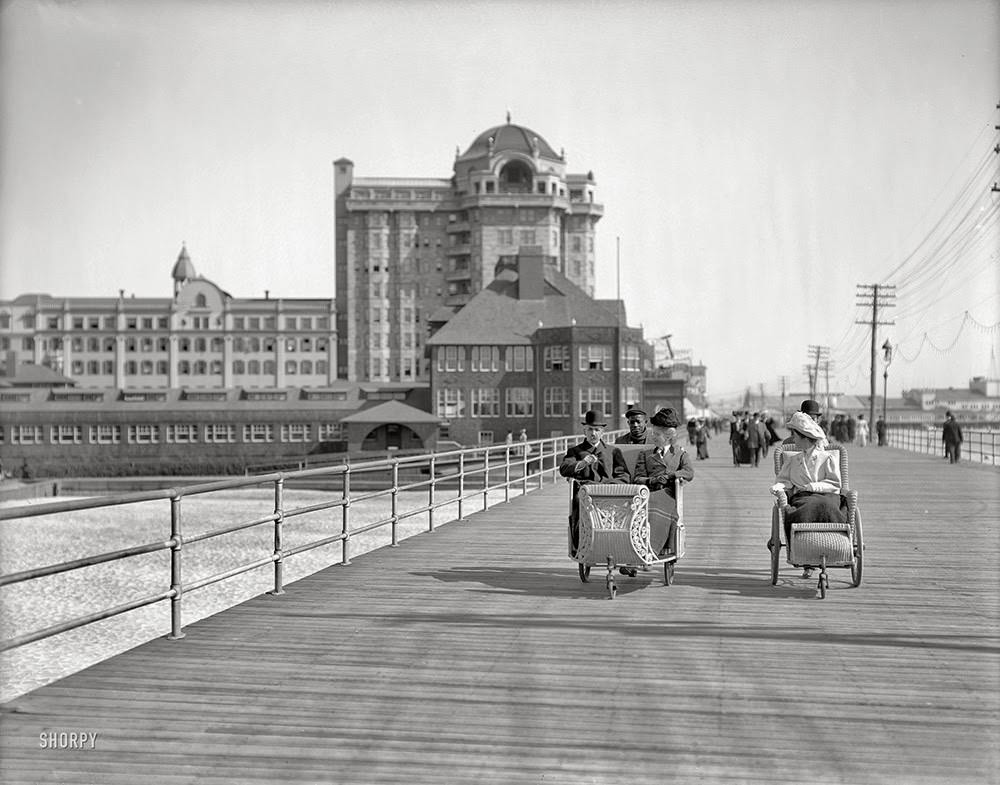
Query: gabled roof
(496, 315)
(32, 375)
(392, 411)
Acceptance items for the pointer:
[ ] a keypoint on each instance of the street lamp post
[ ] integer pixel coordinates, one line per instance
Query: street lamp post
(886, 358)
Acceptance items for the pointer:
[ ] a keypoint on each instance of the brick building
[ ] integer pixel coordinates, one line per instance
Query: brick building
(532, 350)
(406, 247)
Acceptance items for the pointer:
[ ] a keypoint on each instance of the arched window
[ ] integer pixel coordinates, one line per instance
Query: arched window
(253, 367)
(515, 177)
(321, 344)
(217, 344)
(163, 344)
(93, 367)
(146, 367)
(306, 367)
(254, 344)
(269, 344)
(185, 344)
(291, 367)
(200, 301)
(93, 344)
(321, 366)
(130, 368)
(239, 367)
(146, 344)
(200, 344)
(307, 344)
(109, 344)
(269, 366)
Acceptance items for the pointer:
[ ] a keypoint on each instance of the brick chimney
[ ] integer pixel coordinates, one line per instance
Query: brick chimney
(530, 274)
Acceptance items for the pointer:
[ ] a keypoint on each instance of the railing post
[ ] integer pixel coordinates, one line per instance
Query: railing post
(394, 501)
(524, 469)
(345, 550)
(176, 542)
(486, 478)
(461, 482)
(506, 475)
(430, 499)
(279, 521)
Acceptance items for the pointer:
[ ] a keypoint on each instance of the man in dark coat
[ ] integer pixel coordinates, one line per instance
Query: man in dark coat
(637, 434)
(951, 435)
(591, 461)
(659, 469)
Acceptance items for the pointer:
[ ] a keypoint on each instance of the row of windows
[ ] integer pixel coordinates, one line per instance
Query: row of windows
(174, 433)
(149, 344)
(590, 357)
(195, 368)
(486, 358)
(520, 401)
(29, 321)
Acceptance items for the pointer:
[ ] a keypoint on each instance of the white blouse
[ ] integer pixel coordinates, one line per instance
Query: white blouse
(813, 470)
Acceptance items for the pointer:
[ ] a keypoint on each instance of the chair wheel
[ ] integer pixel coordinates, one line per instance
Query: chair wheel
(584, 572)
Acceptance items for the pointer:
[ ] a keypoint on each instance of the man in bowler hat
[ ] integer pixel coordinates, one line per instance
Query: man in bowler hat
(659, 469)
(591, 461)
(636, 419)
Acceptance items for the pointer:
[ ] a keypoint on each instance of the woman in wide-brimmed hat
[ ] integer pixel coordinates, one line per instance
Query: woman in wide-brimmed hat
(811, 477)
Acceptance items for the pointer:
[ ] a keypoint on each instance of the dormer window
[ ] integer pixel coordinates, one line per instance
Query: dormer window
(200, 301)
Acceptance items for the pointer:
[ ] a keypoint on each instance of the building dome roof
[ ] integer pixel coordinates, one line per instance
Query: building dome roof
(183, 269)
(510, 138)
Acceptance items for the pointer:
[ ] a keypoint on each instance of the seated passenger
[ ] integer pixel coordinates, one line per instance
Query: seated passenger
(637, 432)
(660, 468)
(591, 461)
(810, 477)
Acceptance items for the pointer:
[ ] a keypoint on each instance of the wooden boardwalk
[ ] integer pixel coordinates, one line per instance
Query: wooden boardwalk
(474, 654)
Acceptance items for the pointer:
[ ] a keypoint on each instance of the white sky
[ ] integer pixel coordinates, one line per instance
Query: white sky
(751, 156)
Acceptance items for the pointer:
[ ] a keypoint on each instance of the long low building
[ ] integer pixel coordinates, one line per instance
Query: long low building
(86, 431)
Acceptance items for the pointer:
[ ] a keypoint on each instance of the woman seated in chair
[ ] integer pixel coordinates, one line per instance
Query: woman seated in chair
(810, 477)
(659, 470)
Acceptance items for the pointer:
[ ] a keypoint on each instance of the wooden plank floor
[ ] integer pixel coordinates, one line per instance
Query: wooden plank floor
(474, 654)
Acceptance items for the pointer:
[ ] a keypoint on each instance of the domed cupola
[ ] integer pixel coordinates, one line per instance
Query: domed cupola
(183, 269)
(509, 138)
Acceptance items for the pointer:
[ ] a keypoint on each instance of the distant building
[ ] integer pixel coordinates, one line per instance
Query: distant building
(406, 247)
(532, 350)
(201, 337)
(61, 430)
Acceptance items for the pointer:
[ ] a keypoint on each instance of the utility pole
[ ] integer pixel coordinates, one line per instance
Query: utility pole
(827, 367)
(875, 296)
(784, 382)
(817, 354)
(762, 401)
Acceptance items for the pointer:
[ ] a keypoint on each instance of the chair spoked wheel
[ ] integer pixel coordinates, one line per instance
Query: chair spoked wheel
(584, 572)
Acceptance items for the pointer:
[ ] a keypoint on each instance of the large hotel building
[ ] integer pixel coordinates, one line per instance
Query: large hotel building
(410, 251)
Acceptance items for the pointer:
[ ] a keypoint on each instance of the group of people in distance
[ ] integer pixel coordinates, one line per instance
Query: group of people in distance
(751, 436)
(658, 468)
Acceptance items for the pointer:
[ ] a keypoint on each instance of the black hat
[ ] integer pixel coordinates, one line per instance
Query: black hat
(810, 407)
(665, 418)
(594, 418)
(633, 410)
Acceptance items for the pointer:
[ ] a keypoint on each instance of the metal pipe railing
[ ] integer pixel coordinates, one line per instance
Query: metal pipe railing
(470, 463)
(978, 446)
